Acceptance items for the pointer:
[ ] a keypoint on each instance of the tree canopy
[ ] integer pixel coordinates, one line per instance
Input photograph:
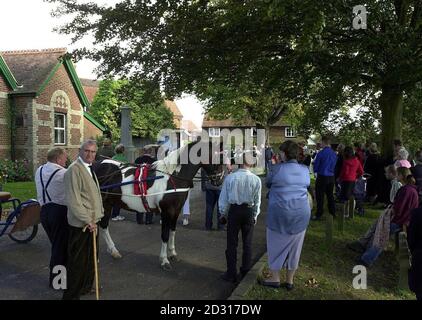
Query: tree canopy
(149, 114)
(302, 50)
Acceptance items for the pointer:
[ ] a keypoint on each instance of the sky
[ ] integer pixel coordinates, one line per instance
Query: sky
(27, 24)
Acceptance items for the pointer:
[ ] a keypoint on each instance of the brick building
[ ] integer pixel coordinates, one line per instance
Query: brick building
(42, 104)
(278, 133)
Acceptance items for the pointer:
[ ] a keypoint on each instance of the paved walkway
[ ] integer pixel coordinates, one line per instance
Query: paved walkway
(24, 268)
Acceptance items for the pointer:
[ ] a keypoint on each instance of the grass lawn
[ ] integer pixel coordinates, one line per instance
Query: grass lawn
(325, 272)
(21, 190)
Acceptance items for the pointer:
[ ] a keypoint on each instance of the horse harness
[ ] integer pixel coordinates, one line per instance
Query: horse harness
(141, 187)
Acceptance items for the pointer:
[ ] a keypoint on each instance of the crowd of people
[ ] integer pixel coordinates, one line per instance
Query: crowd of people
(71, 205)
(394, 182)
(350, 175)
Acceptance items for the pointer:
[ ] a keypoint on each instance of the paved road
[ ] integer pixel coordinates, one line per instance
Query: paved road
(24, 268)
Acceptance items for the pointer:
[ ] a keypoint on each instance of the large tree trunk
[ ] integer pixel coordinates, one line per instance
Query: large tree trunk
(391, 103)
(267, 135)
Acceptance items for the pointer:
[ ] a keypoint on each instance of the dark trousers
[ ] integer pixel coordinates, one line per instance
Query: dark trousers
(80, 263)
(211, 199)
(148, 217)
(268, 164)
(324, 185)
(419, 296)
(115, 211)
(54, 221)
(240, 218)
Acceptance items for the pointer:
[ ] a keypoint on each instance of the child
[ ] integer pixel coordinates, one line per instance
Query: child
(359, 193)
(391, 174)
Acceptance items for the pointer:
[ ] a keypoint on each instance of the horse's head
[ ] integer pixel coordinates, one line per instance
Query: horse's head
(214, 168)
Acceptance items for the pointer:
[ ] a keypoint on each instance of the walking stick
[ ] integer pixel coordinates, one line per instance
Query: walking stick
(94, 242)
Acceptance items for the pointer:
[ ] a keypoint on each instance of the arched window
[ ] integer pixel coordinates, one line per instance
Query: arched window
(60, 103)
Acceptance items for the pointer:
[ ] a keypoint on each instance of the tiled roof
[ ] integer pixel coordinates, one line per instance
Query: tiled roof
(189, 125)
(32, 67)
(209, 122)
(173, 108)
(90, 87)
(90, 82)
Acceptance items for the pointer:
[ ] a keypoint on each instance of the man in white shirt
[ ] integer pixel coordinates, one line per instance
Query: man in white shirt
(239, 205)
(49, 181)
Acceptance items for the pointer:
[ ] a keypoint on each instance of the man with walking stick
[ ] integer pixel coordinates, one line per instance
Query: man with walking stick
(85, 209)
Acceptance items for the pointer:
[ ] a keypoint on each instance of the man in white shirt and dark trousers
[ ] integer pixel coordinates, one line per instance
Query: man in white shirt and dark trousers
(239, 205)
(49, 181)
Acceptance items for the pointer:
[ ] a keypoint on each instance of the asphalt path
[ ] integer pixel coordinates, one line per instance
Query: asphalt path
(196, 276)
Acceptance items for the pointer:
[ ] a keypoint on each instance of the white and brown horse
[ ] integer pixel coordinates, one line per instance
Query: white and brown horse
(169, 181)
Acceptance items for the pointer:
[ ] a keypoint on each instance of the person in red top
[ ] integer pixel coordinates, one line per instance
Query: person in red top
(359, 153)
(351, 169)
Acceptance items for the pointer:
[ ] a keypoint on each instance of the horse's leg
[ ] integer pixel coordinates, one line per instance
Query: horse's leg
(172, 244)
(111, 247)
(165, 232)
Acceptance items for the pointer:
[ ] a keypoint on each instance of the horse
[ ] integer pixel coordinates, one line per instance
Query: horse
(169, 181)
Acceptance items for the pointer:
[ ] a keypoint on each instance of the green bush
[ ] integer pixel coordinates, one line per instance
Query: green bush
(14, 171)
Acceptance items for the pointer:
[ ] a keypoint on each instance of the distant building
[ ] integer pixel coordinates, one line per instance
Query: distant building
(191, 130)
(42, 105)
(279, 131)
(177, 115)
(90, 87)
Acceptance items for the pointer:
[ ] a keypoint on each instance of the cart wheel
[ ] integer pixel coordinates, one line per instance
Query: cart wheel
(24, 236)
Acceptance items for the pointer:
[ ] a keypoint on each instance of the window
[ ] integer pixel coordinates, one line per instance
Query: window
(59, 128)
(289, 132)
(214, 132)
(253, 132)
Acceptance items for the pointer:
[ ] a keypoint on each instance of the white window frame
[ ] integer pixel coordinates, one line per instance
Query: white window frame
(253, 131)
(60, 129)
(290, 132)
(214, 132)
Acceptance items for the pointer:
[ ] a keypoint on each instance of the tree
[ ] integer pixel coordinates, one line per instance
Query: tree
(265, 107)
(412, 120)
(149, 114)
(385, 59)
(188, 45)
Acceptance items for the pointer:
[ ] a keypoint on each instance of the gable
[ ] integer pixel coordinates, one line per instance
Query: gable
(64, 73)
(59, 81)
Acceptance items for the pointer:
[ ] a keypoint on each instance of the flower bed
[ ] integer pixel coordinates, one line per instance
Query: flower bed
(14, 171)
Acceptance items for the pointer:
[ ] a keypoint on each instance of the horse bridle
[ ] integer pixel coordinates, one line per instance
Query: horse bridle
(216, 176)
(126, 165)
